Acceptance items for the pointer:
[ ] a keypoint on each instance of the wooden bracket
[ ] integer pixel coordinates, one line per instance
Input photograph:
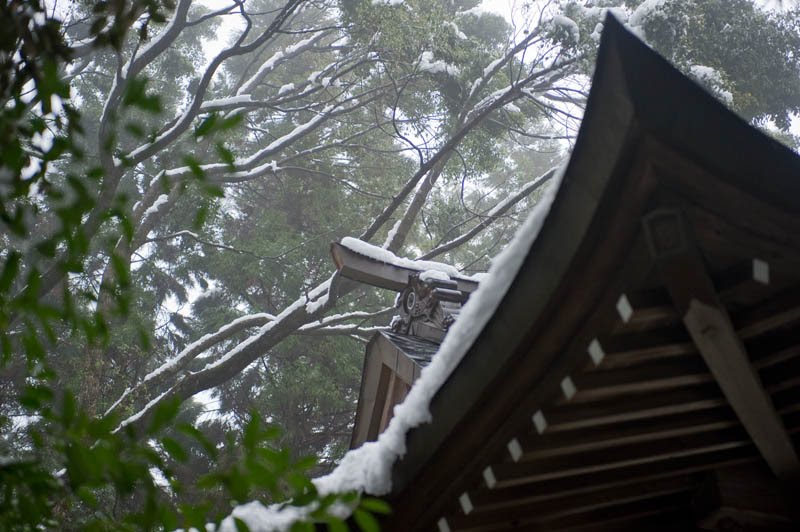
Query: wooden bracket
(685, 276)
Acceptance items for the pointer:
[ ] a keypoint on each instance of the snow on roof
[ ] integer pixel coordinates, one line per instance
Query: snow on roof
(433, 275)
(384, 255)
(368, 469)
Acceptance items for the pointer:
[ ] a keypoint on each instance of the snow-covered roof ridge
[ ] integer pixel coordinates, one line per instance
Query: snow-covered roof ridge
(384, 255)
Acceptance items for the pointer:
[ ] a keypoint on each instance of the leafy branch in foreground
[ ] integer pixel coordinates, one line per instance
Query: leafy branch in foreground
(61, 464)
(94, 464)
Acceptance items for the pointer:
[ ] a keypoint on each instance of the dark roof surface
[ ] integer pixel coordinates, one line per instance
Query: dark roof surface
(419, 350)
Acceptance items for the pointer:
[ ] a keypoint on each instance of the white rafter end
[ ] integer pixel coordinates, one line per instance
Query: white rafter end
(568, 387)
(624, 308)
(466, 503)
(514, 449)
(539, 422)
(761, 271)
(488, 476)
(596, 352)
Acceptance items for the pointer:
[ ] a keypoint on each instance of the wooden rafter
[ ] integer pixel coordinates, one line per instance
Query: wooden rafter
(684, 274)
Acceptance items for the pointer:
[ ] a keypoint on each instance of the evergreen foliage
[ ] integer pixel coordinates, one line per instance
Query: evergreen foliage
(170, 180)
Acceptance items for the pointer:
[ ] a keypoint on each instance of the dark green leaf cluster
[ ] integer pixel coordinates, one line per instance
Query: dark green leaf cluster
(62, 464)
(97, 478)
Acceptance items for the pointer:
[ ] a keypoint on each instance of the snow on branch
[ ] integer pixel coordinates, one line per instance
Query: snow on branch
(495, 66)
(185, 119)
(170, 368)
(278, 58)
(319, 293)
(345, 330)
(160, 42)
(141, 413)
(335, 319)
(493, 214)
(223, 104)
(152, 209)
(290, 137)
(249, 167)
(568, 25)
(427, 63)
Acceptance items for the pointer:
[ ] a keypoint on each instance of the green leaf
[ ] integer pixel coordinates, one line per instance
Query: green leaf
(135, 129)
(206, 126)
(226, 155)
(376, 506)
(231, 122)
(241, 526)
(10, 270)
(68, 409)
(336, 525)
(36, 396)
(215, 191)
(365, 521)
(194, 167)
(121, 269)
(197, 434)
(164, 413)
(87, 496)
(174, 449)
(136, 96)
(200, 217)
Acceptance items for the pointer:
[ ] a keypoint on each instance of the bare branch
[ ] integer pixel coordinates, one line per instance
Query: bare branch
(492, 215)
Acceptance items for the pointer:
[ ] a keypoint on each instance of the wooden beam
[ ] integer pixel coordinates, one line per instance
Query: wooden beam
(572, 505)
(612, 411)
(368, 393)
(529, 469)
(633, 349)
(387, 409)
(367, 270)
(383, 364)
(549, 444)
(742, 498)
(684, 274)
(780, 311)
(646, 509)
(644, 514)
(653, 377)
(376, 414)
(554, 489)
(651, 309)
